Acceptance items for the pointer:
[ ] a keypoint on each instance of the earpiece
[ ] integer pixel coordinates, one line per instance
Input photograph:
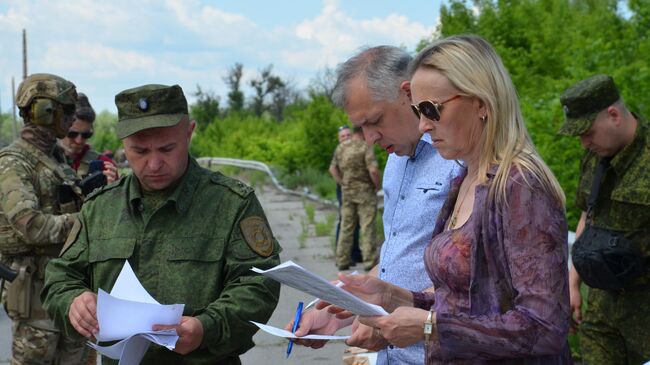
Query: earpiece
(45, 112)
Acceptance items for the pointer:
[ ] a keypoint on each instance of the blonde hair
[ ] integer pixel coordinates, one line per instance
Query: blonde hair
(472, 65)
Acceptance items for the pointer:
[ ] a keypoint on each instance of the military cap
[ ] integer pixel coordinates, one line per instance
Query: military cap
(149, 106)
(584, 100)
(45, 86)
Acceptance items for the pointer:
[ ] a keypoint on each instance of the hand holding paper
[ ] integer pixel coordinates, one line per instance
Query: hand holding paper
(129, 314)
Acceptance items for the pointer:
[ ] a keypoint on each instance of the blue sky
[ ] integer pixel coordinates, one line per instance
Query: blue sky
(108, 46)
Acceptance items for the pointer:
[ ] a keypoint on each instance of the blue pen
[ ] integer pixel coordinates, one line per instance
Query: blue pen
(296, 320)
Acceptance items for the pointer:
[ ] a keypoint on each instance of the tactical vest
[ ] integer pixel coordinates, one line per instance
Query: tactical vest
(46, 176)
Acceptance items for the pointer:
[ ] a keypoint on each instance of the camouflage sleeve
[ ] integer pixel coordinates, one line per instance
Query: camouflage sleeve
(371, 159)
(66, 277)
(246, 296)
(334, 161)
(20, 204)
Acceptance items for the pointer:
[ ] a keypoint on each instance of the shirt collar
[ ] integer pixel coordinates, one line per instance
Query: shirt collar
(629, 153)
(182, 194)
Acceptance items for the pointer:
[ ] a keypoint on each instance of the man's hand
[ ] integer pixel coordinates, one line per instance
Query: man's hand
(319, 322)
(366, 337)
(83, 314)
(189, 331)
(575, 299)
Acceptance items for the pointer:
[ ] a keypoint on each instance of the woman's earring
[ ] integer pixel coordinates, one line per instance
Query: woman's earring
(484, 118)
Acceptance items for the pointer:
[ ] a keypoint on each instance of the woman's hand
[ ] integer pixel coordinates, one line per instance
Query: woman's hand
(402, 328)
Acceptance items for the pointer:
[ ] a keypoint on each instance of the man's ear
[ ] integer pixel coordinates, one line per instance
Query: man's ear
(406, 86)
(614, 115)
(190, 129)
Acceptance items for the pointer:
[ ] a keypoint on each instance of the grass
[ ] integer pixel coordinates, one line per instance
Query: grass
(310, 211)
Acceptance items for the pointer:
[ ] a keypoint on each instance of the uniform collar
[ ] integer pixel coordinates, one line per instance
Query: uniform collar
(629, 153)
(182, 194)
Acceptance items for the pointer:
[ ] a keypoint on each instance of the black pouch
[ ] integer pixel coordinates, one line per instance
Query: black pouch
(605, 259)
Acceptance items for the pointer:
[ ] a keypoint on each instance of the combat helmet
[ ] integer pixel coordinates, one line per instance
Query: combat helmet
(49, 100)
(45, 86)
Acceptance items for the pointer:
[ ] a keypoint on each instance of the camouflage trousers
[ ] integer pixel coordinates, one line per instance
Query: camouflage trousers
(616, 327)
(33, 345)
(358, 209)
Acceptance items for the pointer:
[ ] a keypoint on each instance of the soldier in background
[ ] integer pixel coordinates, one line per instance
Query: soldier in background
(343, 135)
(354, 167)
(190, 234)
(38, 199)
(614, 196)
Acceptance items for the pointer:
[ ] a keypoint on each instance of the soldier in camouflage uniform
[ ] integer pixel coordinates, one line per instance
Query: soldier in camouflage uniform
(354, 167)
(614, 329)
(191, 236)
(38, 199)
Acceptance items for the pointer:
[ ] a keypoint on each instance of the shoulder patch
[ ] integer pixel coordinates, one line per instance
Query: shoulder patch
(105, 188)
(234, 185)
(258, 235)
(72, 236)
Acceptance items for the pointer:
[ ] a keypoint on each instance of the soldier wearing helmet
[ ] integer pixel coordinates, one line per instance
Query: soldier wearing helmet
(38, 201)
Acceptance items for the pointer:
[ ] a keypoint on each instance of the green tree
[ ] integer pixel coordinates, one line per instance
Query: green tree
(233, 81)
(266, 83)
(206, 108)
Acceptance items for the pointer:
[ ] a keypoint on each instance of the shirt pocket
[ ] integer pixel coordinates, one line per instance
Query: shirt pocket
(106, 258)
(194, 271)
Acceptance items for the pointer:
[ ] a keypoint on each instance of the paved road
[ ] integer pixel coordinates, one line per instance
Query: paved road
(285, 214)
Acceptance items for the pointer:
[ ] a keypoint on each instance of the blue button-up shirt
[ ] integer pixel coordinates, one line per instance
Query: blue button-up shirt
(415, 189)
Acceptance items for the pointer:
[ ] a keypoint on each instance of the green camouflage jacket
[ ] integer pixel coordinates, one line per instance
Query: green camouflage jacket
(197, 249)
(623, 203)
(31, 217)
(353, 158)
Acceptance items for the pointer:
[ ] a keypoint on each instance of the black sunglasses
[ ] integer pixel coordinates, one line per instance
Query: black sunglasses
(430, 109)
(85, 135)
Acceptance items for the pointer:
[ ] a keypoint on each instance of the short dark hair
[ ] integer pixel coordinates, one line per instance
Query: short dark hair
(83, 109)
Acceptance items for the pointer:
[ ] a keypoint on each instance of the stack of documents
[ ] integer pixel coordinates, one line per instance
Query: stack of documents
(127, 314)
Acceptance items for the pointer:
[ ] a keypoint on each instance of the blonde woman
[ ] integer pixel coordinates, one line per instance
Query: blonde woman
(498, 257)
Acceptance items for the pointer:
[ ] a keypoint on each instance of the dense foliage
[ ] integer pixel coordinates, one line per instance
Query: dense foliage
(547, 45)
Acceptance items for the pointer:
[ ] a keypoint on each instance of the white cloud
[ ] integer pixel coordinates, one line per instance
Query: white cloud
(211, 24)
(98, 60)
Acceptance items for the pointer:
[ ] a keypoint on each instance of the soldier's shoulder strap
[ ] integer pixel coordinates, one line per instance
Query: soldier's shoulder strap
(99, 191)
(234, 185)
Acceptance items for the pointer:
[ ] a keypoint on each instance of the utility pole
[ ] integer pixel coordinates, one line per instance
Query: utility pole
(24, 54)
(13, 106)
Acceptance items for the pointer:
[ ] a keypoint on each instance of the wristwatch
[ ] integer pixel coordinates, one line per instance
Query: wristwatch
(428, 326)
(428, 329)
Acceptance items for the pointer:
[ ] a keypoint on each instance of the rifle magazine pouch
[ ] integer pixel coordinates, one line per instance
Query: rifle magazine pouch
(605, 259)
(19, 292)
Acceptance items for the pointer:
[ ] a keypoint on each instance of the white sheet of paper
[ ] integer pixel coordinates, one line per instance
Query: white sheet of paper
(131, 350)
(128, 287)
(119, 318)
(295, 276)
(286, 334)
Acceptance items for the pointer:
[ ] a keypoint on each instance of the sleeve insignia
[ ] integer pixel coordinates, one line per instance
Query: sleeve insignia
(257, 235)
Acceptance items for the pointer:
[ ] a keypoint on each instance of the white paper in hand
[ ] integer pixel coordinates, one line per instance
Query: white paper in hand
(295, 276)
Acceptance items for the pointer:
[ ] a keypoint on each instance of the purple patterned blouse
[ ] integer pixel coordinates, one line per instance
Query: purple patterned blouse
(501, 280)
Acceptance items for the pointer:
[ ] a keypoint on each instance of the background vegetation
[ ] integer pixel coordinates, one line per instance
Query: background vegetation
(547, 45)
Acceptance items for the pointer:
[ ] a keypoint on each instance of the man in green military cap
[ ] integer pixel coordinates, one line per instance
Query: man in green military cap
(38, 200)
(191, 236)
(615, 168)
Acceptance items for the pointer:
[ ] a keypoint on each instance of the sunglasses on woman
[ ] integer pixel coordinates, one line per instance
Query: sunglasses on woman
(430, 109)
(85, 135)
